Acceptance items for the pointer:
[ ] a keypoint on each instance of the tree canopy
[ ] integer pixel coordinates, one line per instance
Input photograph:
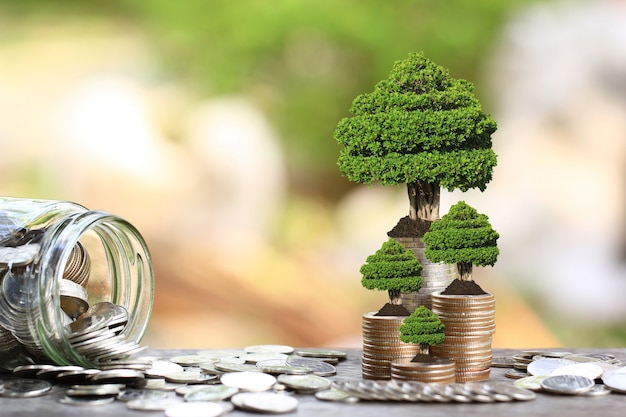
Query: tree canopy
(463, 236)
(423, 327)
(393, 268)
(418, 124)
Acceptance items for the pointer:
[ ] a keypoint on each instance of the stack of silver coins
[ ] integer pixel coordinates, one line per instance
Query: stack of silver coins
(436, 276)
(382, 345)
(438, 371)
(469, 326)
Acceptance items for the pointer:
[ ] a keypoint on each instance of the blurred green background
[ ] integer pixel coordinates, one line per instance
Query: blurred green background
(209, 125)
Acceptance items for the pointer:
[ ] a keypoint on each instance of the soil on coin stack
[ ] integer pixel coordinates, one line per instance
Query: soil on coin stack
(420, 357)
(393, 310)
(410, 228)
(460, 287)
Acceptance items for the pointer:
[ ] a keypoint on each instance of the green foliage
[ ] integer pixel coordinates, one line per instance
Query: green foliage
(418, 124)
(392, 268)
(462, 236)
(423, 327)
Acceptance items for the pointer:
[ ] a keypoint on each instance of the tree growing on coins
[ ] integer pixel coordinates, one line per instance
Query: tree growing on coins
(463, 237)
(392, 268)
(420, 127)
(422, 327)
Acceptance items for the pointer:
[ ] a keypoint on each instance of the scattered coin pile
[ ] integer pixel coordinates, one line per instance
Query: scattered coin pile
(382, 345)
(420, 392)
(438, 371)
(469, 326)
(435, 276)
(261, 378)
(566, 373)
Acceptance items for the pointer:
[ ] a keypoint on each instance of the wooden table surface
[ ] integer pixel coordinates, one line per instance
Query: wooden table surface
(544, 405)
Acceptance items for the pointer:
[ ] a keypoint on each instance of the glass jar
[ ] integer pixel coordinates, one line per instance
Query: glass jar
(76, 285)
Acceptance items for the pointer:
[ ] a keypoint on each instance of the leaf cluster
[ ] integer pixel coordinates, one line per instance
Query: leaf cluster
(392, 267)
(419, 124)
(423, 326)
(462, 235)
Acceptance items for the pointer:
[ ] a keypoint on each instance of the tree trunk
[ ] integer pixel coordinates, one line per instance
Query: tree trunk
(424, 349)
(424, 200)
(465, 271)
(394, 297)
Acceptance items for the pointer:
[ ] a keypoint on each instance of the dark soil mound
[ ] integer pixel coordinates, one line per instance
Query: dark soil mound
(420, 357)
(459, 287)
(410, 228)
(393, 310)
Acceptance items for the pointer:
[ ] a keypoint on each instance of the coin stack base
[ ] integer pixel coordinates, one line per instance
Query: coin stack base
(439, 371)
(435, 276)
(469, 325)
(382, 345)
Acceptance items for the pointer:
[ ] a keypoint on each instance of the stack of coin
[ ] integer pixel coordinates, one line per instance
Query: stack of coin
(435, 276)
(382, 345)
(78, 265)
(439, 371)
(469, 325)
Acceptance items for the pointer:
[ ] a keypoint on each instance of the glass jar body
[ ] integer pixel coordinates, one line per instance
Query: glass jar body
(59, 260)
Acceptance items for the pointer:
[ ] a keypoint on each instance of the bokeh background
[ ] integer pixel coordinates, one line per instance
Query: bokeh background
(209, 126)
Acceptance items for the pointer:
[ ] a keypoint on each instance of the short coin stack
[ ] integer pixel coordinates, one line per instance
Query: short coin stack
(382, 345)
(469, 326)
(438, 371)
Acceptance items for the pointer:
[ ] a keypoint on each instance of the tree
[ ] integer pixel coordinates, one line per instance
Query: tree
(463, 236)
(423, 327)
(420, 127)
(393, 268)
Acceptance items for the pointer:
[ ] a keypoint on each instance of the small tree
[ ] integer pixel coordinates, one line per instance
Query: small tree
(420, 127)
(393, 268)
(464, 237)
(423, 327)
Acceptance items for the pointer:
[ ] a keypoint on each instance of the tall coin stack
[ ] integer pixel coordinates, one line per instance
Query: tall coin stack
(435, 276)
(470, 324)
(439, 371)
(382, 345)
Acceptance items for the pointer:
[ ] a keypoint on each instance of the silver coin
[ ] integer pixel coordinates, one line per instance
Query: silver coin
(157, 384)
(502, 362)
(27, 371)
(191, 360)
(588, 369)
(567, 384)
(140, 394)
(256, 357)
(73, 377)
(151, 404)
(195, 409)
(532, 383)
(308, 383)
(598, 390)
(235, 367)
(188, 377)
(545, 366)
(616, 382)
(99, 390)
(161, 368)
(321, 353)
(266, 402)
(86, 401)
(335, 395)
(117, 376)
(319, 368)
(73, 298)
(515, 374)
(25, 388)
(269, 349)
(285, 369)
(51, 373)
(272, 362)
(19, 255)
(211, 393)
(248, 381)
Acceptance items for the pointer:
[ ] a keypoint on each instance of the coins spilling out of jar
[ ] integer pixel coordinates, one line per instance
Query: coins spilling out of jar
(95, 332)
